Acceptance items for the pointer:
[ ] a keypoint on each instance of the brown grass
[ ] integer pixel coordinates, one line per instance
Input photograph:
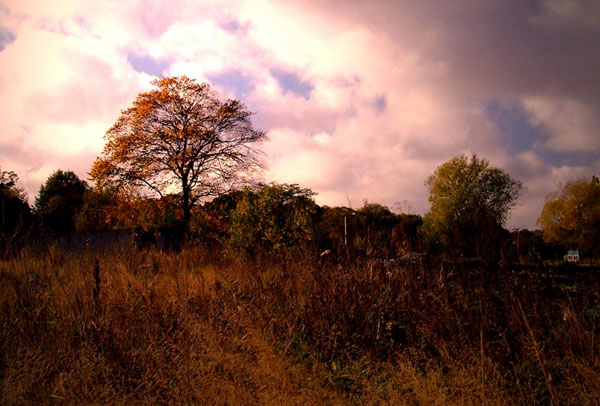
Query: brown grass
(186, 328)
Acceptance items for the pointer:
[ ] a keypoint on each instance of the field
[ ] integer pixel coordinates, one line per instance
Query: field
(123, 326)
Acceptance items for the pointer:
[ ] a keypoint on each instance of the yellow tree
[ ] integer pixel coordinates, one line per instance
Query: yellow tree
(572, 216)
(180, 138)
(470, 201)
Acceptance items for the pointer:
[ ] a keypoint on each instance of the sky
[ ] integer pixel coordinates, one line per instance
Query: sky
(361, 100)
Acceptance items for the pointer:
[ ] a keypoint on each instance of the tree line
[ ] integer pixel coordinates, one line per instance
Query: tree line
(181, 159)
(278, 220)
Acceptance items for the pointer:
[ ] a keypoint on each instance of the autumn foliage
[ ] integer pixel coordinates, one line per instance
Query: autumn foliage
(180, 138)
(273, 299)
(470, 201)
(572, 216)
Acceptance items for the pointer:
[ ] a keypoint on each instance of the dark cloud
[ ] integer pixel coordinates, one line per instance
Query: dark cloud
(529, 67)
(499, 46)
(563, 158)
(502, 50)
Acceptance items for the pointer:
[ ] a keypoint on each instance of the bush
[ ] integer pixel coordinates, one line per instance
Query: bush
(275, 221)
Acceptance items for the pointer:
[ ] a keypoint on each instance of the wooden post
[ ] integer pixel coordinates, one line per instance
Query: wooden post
(96, 271)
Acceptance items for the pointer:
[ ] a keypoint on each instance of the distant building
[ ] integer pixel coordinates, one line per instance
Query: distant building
(572, 256)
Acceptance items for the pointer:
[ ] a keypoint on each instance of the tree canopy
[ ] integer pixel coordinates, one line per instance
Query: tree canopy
(470, 201)
(8, 185)
(180, 138)
(15, 214)
(59, 201)
(571, 216)
(273, 220)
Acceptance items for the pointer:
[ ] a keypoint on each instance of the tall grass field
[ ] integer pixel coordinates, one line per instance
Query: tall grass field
(124, 327)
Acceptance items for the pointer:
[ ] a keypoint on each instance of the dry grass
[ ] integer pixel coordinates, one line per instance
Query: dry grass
(185, 328)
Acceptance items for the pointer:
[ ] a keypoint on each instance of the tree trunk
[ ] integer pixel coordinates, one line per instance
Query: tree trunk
(186, 218)
(186, 211)
(186, 205)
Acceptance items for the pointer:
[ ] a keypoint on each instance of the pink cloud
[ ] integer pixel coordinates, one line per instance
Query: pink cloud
(66, 76)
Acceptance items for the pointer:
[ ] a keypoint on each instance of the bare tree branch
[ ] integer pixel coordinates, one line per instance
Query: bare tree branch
(180, 135)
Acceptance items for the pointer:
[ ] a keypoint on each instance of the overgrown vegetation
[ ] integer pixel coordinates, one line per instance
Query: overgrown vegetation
(260, 296)
(148, 327)
(572, 216)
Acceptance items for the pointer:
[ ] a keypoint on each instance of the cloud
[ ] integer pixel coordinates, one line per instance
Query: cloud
(540, 179)
(571, 125)
(515, 123)
(233, 81)
(147, 64)
(490, 78)
(291, 82)
(62, 86)
(362, 100)
(6, 37)
(568, 12)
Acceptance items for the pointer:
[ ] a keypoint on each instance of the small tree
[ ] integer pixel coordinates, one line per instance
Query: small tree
(59, 201)
(406, 236)
(102, 209)
(213, 220)
(373, 230)
(571, 216)
(15, 214)
(274, 220)
(180, 138)
(469, 203)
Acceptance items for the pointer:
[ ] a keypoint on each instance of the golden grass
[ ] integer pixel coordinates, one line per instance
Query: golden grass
(179, 328)
(151, 338)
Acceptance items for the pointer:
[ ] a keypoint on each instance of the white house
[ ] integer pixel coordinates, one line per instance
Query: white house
(572, 256)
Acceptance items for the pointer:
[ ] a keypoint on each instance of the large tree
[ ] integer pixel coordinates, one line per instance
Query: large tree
(470, 201)
(180, 138)
(572, 216)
